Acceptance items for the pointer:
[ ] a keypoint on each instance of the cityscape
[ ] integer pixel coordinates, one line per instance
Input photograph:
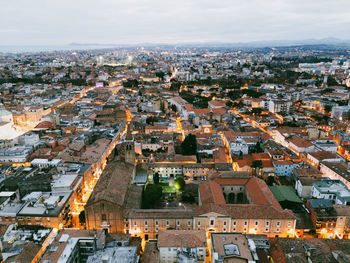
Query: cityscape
(175, 151)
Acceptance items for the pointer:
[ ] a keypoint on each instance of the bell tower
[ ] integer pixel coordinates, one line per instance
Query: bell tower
(129, 147)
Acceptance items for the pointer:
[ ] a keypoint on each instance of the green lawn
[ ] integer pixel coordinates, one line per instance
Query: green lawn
(168, 189)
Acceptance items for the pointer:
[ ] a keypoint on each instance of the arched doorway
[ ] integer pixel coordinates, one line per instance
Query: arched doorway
(231, 198)
(240, 198)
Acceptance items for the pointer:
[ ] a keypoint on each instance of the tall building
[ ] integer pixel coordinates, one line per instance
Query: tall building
(129, 147)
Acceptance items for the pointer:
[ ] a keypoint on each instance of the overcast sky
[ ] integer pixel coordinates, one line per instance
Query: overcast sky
(48, 22)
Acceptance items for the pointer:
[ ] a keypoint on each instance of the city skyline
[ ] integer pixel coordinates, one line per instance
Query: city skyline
(136, 22)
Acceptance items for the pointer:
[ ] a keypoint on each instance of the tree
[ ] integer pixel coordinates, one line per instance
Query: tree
(328, 108)
(229, 103)
(327, 90)
(189, 145)
(331, 81)
(180, 183)
(160, 75)
(151, 196)
(258, 148)
(156, 178)
(256, 111)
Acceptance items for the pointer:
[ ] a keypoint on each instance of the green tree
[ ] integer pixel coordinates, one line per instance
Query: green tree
(328, 108)
(151, 196)
(327, 90)
(189, 145)
(160, 75)
(331, 81)
(156, 178)
(180, 183)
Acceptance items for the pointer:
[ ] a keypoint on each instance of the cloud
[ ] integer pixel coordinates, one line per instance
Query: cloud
(137, 21)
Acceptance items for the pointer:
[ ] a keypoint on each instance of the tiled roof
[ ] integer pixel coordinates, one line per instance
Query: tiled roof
(264, 204)
(113, 183)
(182, 238)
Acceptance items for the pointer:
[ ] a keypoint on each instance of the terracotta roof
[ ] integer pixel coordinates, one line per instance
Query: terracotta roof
(27, 255)
(300, 142)
(321, 155)
(217, 103)
(113, 183)
(44, 125)
(263, 205)
(182, 238)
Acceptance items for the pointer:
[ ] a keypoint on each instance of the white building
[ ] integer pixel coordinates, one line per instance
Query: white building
(187, 245)
(336, 171)
(333, 190)
(339, 111)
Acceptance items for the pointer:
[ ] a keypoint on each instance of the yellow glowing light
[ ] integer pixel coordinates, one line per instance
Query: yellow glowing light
(252, 231)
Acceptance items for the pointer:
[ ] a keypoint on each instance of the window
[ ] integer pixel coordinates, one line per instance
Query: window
(225, 223)
(212, 222)
(266, 230)
(256, 223)
(146, 229)
(245, 229)
(135, 224)
(267, 223)
(234, 229)
(199, 222)
(28, 218)
(146, 223)
(245, 223)
(156, 222)
(278, 223)
(167, 223)
(188, 222)
(234, 223)
(177, 222)
(103, 217)
(289, 223)
(169, 249)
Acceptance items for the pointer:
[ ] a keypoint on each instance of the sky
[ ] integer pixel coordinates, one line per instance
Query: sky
(60, 22)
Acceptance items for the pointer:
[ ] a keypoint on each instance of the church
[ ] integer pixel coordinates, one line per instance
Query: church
(104, 209)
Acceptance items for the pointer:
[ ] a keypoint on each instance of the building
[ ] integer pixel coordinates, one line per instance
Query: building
(279, 106)
(332, 190)
(303, 186)
(72, 245)
(185, 245)
(339, 111)
(300, 145)
(283, 167)
(50, 209)
(323, 216)
(242, 205)
(336, 171)
(315, 158)
(115, 255)
(232, 247)
(104, 209)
